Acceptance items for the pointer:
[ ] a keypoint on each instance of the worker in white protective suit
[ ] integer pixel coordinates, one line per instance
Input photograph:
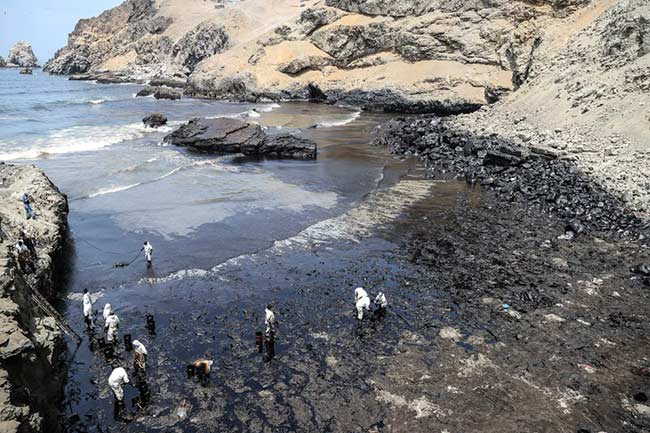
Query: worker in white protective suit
(148, 252)
(380, 301)
(269, 322)
(362, 301)
(88, 308)
(139, 354)
(118, 378)
(107, 311)
(110, 327)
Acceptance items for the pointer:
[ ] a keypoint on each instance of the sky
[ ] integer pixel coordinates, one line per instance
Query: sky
(44, 24)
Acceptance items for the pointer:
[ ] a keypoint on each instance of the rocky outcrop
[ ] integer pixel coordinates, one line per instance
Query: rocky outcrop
(2, 62)
(573, 138)
(585, 100)
(21, 55)
(516, 170)
(226, 135)
(422, 53)
(160, 93)
(112, 34)
(30, 342)
(142, 39)
(105, 78)
(206, 40)
(155, 120)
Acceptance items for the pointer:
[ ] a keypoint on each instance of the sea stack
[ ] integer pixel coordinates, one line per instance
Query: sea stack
(21, 55)
(2, 62)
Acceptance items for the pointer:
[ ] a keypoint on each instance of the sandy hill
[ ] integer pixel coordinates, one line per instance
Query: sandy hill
(403, 55)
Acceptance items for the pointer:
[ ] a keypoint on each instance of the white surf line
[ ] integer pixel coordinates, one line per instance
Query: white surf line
(380, 209)
(112, 190)
(354, 116)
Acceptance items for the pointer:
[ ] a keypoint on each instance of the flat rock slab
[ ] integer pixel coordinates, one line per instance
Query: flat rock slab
(226, 135)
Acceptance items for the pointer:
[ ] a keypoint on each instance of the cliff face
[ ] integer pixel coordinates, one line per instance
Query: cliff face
(589, 57)
(147, 38)
(405, 55)
(30, 342)
(21, 55)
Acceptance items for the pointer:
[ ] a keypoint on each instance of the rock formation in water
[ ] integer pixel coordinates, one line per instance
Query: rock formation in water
(159, 92)
(155, 120)
(2, 62)
(21, 55)
(226, 135)
(31, 382)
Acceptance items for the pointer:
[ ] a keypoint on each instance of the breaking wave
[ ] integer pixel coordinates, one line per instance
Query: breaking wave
(112, 190)
(354, 116)
(379, 209)
(119, 188)
(74, 140)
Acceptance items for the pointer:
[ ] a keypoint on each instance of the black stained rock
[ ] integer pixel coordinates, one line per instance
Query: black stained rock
(160, 93)
(155, 120)
(226, 135)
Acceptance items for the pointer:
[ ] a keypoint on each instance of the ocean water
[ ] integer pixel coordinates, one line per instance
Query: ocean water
(124, 185)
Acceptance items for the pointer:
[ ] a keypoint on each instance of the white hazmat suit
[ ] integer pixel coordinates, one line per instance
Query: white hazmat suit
(107, 311)
(381, 301)
(362, 301)
(269, 322)
(118, 378)
(111, 325)
(139, 347)
(88, 307)
(148, 251)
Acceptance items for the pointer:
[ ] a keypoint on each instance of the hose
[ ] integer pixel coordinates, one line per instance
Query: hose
(124, 265)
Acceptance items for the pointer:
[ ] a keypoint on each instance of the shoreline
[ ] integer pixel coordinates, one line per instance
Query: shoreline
(33, 343)
(565, 354)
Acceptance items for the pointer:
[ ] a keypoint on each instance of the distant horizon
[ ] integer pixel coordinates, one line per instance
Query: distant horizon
(43, 25)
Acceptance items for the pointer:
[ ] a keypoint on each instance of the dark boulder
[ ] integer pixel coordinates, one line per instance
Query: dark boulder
(155, 120)
(226, 135)
(574, 226)
(160, 93)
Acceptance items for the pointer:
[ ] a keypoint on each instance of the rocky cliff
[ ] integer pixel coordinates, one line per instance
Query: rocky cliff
(405, 55)
(409, 55)
(21, 55)
(145, 38)
(30, 341)
(585, 100)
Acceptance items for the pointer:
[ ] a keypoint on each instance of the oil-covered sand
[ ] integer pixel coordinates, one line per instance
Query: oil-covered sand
(568, 353)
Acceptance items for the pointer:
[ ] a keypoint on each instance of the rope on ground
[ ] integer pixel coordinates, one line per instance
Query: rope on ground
(49, 310)
(96, 247)
(124, 265)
